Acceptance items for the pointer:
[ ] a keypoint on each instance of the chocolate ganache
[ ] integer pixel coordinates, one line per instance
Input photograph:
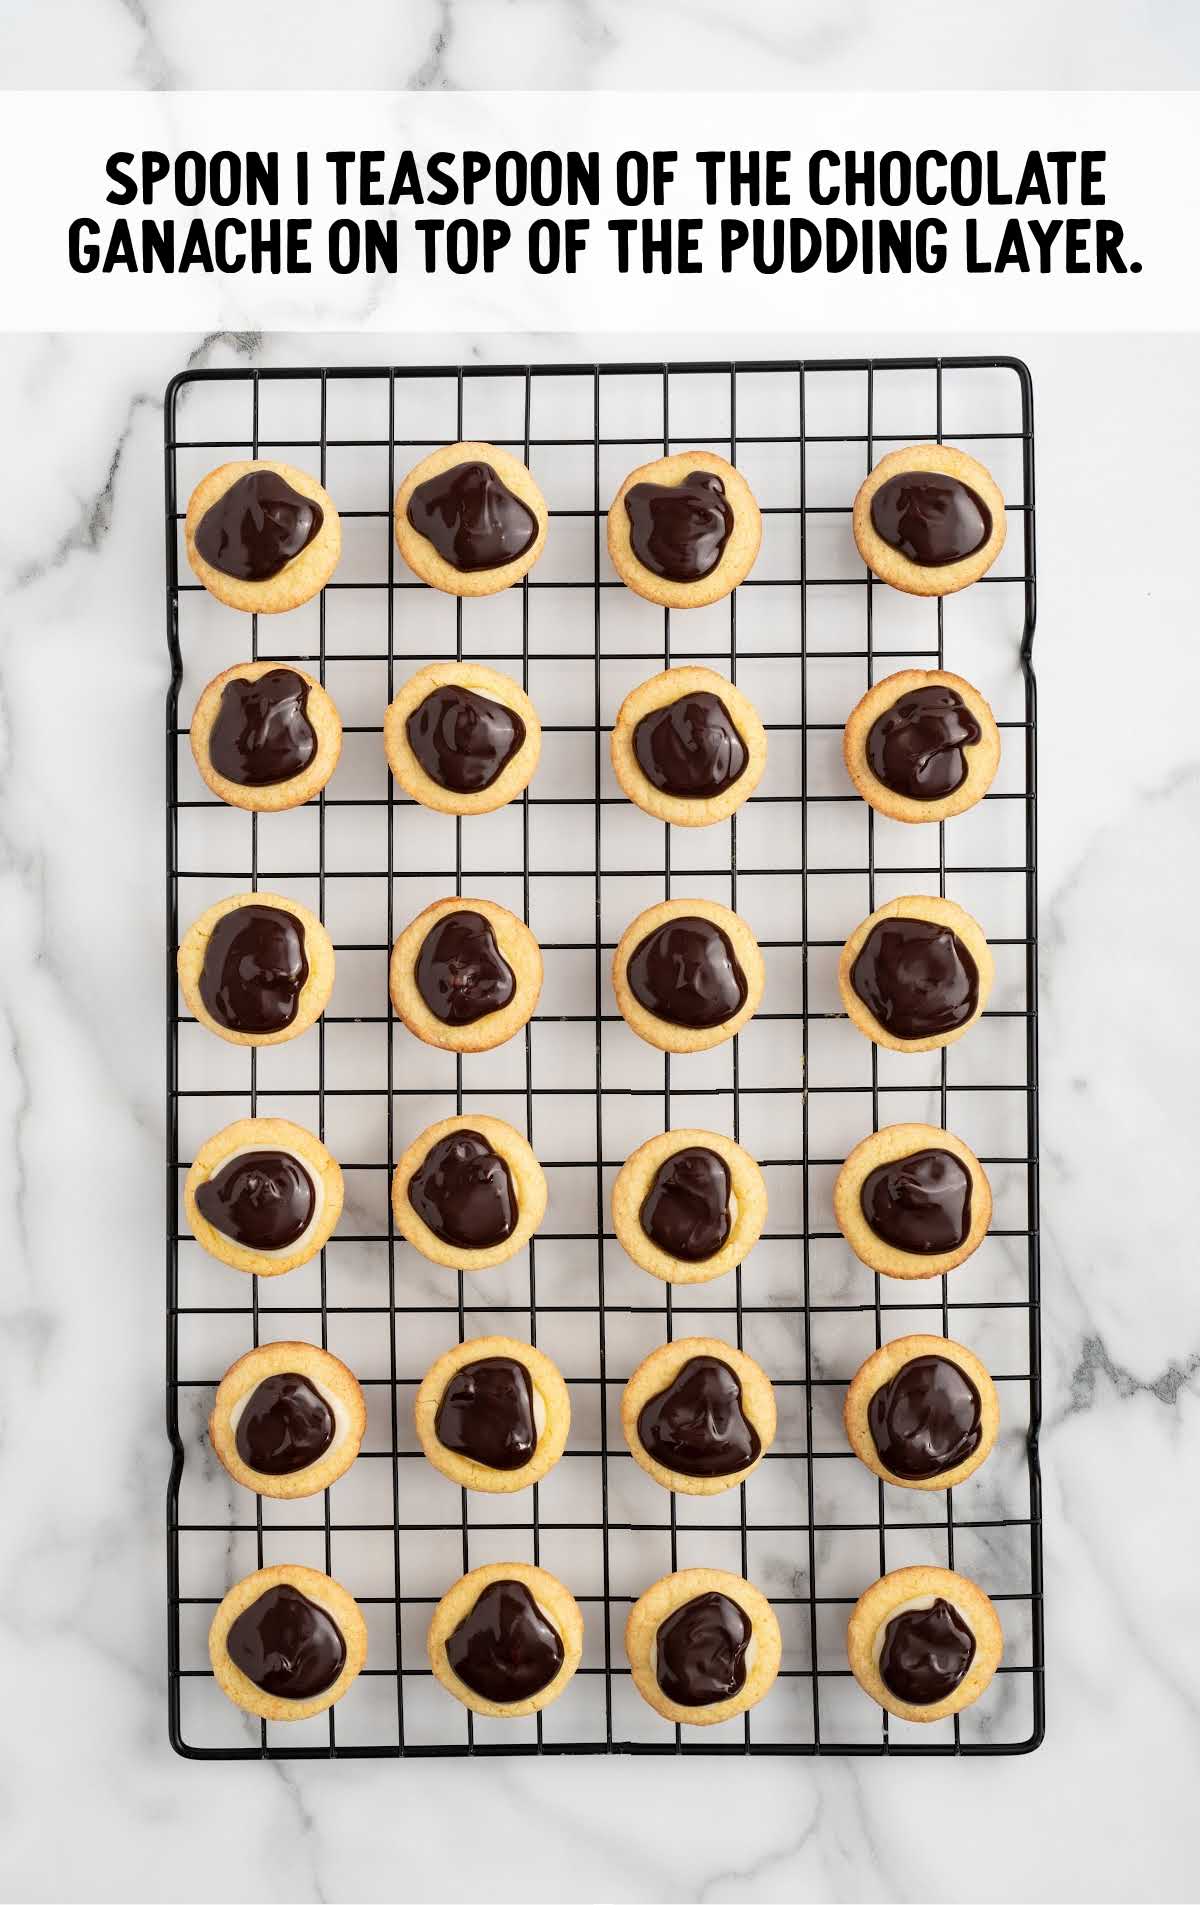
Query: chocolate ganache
(686, 1210)
(257, 527)
(461, 973)
(287, 1645)
(679, 530)
(463, 1190)
(472, 518)
(687, 972)
(486, 1413)
(690, 748)
(262, 734)
(926, 1420)
(254, 969)
(916, 747)
(921, 1203)
(931, 518)
(701, 1651)
(505, 1649)
(926, 1654)
(262, 1200)
(916, 978)
(286, 1425)
(463, 740)
(697, 1426)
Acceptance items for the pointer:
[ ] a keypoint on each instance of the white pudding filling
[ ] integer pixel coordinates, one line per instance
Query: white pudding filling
(318, 1189)
(333, 1402)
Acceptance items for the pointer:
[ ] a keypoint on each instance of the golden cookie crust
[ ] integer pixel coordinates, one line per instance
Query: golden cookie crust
(687, 1038)
(316, 1587)
(927, 906)
(420, 554)
(266, 1134)
(884, 1147)
(982, 758)
(323, 1371)
(300, 579)
(323, 718)
(886, 1363)
(529, 1183)
(647, 1615)
(737, 557)
(899, 570)
(659, 1370)
(886, 1597)
(555, 1601)
(512, 780)
(659, 692)
(552, 1436)
(747, 1189)
(517, 947)
(314, 994)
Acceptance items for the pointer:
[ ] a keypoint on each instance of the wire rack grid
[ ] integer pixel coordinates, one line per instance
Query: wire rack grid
(804, 861)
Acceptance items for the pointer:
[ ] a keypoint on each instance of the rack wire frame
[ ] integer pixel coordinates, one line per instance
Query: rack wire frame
(806, 1528)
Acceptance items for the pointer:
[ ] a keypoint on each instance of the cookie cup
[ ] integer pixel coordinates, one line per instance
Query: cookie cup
(528, 1181)
(314, 994)
(887, 1597)
(886, 1146)
(323, 718)
(981, 758)
(549, 1390)
(659, 692)
(557, 1605)
(737, 557)
(647, 1615)
(512, 779)
(899, 570)
(748, 1196)
(517, 947)
(337, 1386)
(659, 1370)
(888, 1362)
(419, 553)
(685, 1038)
(266, 1134)
(342, 1609)
(301, 578)
(938, 912)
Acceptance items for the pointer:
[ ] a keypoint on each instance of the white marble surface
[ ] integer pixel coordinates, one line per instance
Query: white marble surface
(92, 1803)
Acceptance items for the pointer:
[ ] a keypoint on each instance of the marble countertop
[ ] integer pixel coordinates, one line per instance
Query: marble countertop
(92, 1802)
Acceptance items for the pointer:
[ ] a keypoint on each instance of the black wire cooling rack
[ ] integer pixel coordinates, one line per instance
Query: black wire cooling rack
(804, 861)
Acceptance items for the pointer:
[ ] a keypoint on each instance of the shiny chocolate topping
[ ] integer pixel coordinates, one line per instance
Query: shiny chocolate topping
(262, 1200)
(262, 734)
(463, 740)
(257, 527)
(690, 748)
(916, 978)
(287, 1645)
(486, 1413)
(701, 1651)
(926, 1654)
(686, 1210)
(926, 1420)
(679, 530)
(696, 1426)
(916, 747)
(461, 973)
(254, 969)
(464, 1191)
(472, 518)
(687, 972)
(930, 518)
(505, 1649)
(285, 1426)
(921, 1203)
